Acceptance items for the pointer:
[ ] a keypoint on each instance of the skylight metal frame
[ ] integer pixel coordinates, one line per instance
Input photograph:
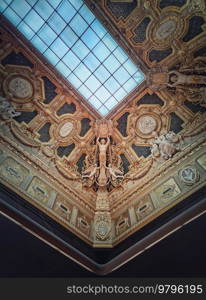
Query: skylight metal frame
(101, 65)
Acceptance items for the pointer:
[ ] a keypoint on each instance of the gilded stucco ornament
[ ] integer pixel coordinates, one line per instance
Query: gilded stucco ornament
(191, 87)
(189, 83)
(189, 175)
(20, 87)
(7, 110)
(95, 201)
(100, 169)
(102, 225)
(165, 146)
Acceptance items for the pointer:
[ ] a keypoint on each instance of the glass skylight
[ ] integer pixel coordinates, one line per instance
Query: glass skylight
(72, 39)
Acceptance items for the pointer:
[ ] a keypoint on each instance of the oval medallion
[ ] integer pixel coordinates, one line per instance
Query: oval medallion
(66, 129)
(166, 29)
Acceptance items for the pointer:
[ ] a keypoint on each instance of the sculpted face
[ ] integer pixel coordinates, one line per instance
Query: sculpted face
(103, 142)
(173, 78)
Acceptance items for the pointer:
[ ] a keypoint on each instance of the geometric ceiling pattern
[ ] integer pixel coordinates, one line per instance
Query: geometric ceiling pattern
(72, 39)
(104, 188)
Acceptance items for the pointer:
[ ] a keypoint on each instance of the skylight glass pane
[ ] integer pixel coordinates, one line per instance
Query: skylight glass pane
(130, 67)
(3, 6)
(120, 94)
(56, 23)
(120, 55)
(98, 28)
(138, 77)
(95, 102)
(20, 7)
(111, 103)
(9, 13)
(47, 34)
(59, 47)
(112, 85)
(87, 14)
(85, 91)
(90, 38)
(66, 10)
(103, 110)
(103, 94)
(74, 80)
(78, 25)
(43, 9)
(102, 74)
(91, 62)
(101, 51)
(8, 1)
(111, 63)
(76, 3)
(39, 44)
(71, 60)
(62, 68)
(51, 56)
(26, 30)
(93, 83)
(34, 20)
(121, 75)
(109, 42)
(54, 3)
(71, 38)
(80, 49)
(82, 72)
(130, 85)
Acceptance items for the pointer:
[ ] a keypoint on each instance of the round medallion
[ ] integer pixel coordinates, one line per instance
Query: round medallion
(66, 129)
(146, 124)
(166, 29)
(20, 88)
(189, 175)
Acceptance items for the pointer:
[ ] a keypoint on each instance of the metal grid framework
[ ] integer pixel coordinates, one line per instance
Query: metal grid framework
(72, 39)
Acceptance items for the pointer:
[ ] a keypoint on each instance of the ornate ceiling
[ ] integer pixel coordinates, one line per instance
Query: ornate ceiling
(153, 155)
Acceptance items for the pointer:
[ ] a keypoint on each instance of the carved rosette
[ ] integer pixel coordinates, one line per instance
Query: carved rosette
(146, 124)
(144, 120)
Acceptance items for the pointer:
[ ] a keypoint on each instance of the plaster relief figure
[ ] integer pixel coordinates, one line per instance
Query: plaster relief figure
(176, 79)
(115, 172)
(90, 172)
(165, 145)
(7, 110)
(102, 145)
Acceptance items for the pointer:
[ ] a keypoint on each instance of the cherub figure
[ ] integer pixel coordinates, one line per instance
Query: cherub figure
(115, 172)
(90, 172)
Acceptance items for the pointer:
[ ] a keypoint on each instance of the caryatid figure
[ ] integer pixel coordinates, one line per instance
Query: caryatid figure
(103, 145)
